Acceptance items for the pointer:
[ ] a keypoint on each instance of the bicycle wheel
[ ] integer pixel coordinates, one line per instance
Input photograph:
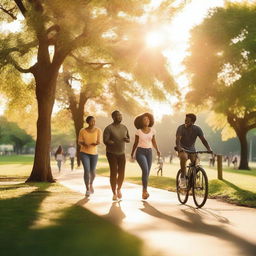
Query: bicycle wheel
(200, 187)
(181, 192)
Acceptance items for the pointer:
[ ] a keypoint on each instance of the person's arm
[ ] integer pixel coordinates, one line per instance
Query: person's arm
(155, 146)
(127, 138)
(178, 139)
(204, 141)
(106, 137)
(98, 138)
(135, 144)
(81, 142)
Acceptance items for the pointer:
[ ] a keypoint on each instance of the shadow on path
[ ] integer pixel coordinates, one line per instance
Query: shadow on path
(195, 224)
(68, 230)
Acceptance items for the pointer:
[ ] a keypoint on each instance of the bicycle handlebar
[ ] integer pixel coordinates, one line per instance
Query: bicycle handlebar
(195, 152)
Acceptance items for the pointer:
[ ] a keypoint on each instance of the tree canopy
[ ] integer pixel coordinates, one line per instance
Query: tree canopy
(222, 67)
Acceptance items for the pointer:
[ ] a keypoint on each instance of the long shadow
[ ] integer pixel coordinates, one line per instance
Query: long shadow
(74, 232)
(115, 214)
(195, 224)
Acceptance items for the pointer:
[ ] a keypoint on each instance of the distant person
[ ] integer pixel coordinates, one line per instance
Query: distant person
(72, 155)
(229, 159)
(115, 136)
(88, 139)
(186, 136)
(160, 165)
(144, 141)
(170, 158)
(234, 161)
(59, 156)
(212, 160)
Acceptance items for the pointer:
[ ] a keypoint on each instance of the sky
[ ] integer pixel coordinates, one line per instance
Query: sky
(175, 35)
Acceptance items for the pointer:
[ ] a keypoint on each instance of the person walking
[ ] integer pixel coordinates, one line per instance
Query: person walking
(72, 155)
(115, 136)
(88, 139)
(144, 141)
(59, 156)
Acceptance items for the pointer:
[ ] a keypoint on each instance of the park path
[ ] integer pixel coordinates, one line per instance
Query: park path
(168, 228)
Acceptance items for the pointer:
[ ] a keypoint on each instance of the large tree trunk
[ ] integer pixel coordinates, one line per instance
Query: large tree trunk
(244, 151)
(45, 93)
(77, 110)
(78, 126)
(78, 118)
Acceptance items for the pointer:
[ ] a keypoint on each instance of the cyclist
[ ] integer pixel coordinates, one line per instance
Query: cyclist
(186, 136)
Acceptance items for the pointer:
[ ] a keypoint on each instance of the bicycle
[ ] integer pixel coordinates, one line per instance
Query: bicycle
(196, 179)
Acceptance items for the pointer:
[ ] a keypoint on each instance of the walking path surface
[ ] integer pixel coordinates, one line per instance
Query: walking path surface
(166, 227)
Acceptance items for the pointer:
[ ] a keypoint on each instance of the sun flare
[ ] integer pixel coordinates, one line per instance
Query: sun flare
(154, 39)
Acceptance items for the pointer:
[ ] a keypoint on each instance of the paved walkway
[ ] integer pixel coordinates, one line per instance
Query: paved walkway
(168, 228)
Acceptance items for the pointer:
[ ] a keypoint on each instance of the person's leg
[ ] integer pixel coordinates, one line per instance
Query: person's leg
(142, 161)
(121, 161)
(183, 161)
(86, 164)
(93, 163)
(72, 159)
(59, 164)
(192, 157)
(149, 158)
(113, 171)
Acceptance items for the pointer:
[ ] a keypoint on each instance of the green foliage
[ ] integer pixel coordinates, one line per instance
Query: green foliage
(222, 60)
(10, 133)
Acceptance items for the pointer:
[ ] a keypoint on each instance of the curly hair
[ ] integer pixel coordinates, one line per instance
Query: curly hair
(138, 122)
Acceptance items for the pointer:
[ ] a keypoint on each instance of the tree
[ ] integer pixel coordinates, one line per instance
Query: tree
(65, 26)
(109, 80)
(222, 68)
(10, 133)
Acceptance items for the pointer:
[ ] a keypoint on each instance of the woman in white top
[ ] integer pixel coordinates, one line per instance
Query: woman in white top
(59, 156)
(144, 141)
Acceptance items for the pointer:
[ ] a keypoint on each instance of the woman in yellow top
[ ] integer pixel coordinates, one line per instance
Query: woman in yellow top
(88, 139)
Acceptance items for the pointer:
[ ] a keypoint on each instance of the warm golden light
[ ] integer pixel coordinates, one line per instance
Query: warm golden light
(155, 39)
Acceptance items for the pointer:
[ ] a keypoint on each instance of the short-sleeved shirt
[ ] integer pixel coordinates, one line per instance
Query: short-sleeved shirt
(116, 133)
(72, 152)
(189, 136)
(145, 139)
(88, 138)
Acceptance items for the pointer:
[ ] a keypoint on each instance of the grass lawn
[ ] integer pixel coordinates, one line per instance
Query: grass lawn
(238, 186)
(20, 159)
(48, 219)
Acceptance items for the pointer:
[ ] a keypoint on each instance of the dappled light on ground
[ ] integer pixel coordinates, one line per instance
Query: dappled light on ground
(47, 220)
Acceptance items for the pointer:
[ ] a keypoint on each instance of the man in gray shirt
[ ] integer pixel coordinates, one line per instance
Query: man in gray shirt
(115, 136)
(186, 136)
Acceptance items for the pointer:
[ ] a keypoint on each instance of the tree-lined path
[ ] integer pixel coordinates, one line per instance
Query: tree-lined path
(168, 228)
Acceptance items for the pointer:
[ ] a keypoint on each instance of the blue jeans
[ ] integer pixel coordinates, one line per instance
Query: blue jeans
(89, 163)
(144, 159)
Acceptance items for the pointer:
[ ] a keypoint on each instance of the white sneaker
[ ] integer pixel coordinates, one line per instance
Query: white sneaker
(183, 183)
(115, 198)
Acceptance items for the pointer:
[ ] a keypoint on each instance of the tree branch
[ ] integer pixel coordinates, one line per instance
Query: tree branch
(9, 12)
(21, 7)
(97, 64)
(17, 66)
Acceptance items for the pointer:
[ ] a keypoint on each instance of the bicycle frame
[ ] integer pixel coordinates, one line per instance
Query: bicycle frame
(193, 172)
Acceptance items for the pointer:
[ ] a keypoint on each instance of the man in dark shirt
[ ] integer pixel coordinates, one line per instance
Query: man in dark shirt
(186, 136)
(115, 136)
